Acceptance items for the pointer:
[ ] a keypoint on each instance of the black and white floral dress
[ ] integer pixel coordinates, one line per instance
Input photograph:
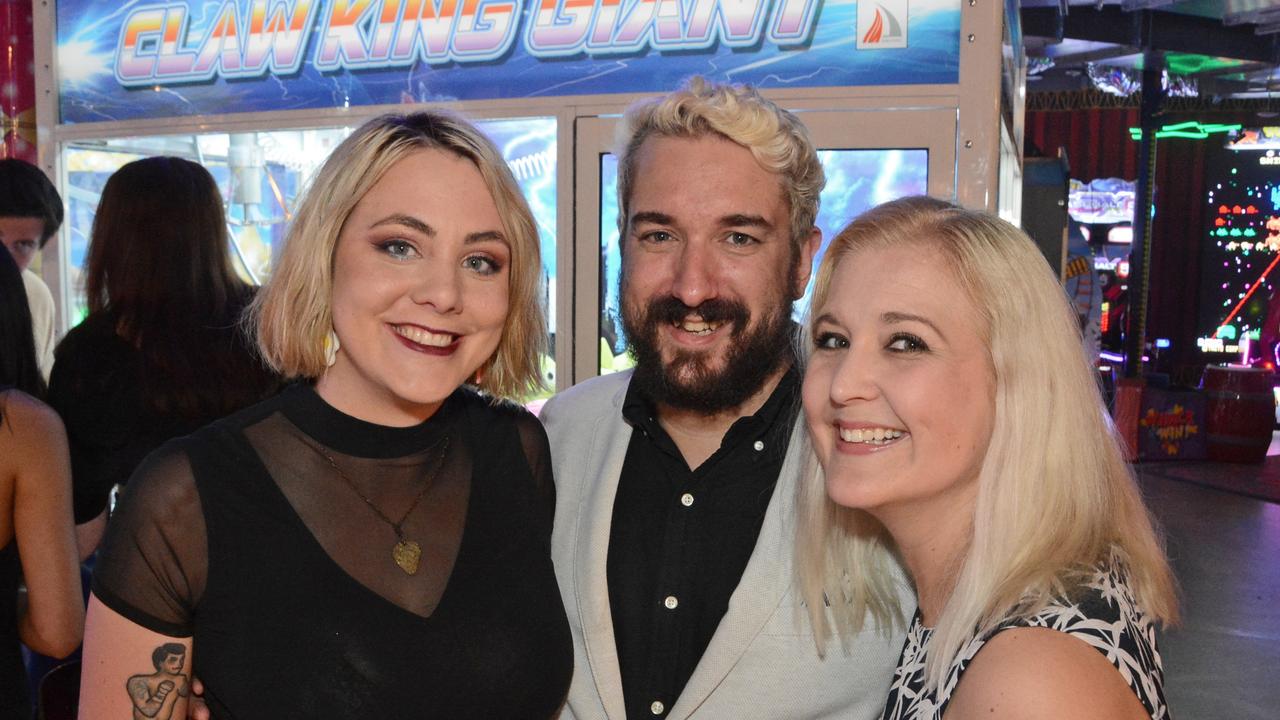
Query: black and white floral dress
(1102, 613)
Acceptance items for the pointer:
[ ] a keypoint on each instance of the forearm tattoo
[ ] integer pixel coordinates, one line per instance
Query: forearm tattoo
(154, 695)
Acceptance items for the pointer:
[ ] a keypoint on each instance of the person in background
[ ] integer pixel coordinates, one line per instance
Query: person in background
(956, 419)
(37, 543)
(161, 352)
(673, 539)
(373, 542)
(30, 215)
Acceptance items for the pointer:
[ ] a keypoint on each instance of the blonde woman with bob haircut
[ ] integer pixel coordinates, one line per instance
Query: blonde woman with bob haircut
(957, 421)
(374, 541)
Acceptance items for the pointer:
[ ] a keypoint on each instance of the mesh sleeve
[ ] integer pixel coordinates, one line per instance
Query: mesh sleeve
(154, 561)
(537, 452)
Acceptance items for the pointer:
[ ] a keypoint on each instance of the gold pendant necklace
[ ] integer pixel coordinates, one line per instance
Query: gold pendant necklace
(406, 553)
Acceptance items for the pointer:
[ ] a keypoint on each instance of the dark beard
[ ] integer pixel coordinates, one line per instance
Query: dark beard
(687, 382)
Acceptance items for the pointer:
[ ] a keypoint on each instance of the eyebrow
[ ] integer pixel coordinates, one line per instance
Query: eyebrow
(652, 216)
(740, 220)
(892, 317)
(888, 318)
(408, 221)
(823, 318)
(734, 220)
(417, 225)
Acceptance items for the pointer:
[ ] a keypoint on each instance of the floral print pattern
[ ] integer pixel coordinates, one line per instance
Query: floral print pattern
(1102, 614)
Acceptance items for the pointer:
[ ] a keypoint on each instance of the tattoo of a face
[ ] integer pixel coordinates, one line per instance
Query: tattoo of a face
(155, 695)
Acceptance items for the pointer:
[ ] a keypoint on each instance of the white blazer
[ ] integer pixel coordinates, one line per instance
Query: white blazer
(762, 662)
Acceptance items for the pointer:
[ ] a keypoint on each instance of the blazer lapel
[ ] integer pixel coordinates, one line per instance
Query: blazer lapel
(604, 467)
(764, 582)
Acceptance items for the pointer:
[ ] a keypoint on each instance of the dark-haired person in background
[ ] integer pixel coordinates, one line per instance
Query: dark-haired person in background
(161, 352)
(30, 214)
(37, 544)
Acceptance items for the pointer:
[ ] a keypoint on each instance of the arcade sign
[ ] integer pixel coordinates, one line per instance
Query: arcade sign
(156, 48)
(143, 58)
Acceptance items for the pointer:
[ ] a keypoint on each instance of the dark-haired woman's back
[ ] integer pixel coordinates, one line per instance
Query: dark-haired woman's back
(160, 353)
(120, 401)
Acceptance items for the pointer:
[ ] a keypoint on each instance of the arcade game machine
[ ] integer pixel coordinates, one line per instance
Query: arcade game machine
(1096, 275)
(1239, 319)
(897, 94)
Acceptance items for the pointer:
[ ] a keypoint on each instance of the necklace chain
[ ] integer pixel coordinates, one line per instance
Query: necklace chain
(396, 525)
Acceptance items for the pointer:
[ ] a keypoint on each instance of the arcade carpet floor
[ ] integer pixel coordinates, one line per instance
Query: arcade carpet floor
(1224, 659)
(1256, 481)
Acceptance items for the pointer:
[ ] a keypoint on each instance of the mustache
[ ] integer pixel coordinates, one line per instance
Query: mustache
(672, 310)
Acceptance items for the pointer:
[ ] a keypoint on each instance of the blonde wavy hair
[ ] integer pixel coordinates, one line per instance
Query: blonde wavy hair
(1055, 495)
(776, 138)
(292, 315)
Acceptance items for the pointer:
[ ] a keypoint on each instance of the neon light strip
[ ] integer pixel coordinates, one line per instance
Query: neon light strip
(1117, 358)
(1249, 294)
(1192, 130)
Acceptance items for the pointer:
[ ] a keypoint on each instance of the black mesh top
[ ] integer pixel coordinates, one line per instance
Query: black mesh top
(244, 537)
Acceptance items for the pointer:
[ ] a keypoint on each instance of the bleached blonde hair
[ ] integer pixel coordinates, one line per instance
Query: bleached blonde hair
(1056, 498)
(776, 138)
(292, 314)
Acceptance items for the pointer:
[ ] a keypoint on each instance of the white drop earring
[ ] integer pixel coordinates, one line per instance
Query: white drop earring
(331, 346)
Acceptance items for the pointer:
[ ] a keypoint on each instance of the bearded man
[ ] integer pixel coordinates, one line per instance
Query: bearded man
(674, 533)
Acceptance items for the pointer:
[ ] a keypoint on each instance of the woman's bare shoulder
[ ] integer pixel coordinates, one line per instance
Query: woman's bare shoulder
(29, 421)
(1031, 673)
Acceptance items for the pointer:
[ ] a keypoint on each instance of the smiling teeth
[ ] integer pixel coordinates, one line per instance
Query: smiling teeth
(870, 436)
(698, 327)
(422, 337)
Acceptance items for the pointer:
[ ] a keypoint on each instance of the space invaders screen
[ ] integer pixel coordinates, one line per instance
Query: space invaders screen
(1240, 250)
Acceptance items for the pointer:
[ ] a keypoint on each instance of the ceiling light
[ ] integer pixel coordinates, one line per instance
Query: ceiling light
(1143, 4)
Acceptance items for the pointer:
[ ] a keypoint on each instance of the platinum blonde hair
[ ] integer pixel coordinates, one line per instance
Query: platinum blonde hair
(1055, 495)
(292, 314)
(776, 138)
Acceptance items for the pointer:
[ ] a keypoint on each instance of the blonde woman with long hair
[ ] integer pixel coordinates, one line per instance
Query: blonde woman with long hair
(957, 421)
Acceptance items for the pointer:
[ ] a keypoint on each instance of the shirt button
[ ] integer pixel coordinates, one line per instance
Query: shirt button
(671, 602)
(686, 499)
(759, 445)
(657, 707)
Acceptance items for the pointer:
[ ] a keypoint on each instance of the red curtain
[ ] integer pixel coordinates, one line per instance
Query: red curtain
(1098, 145)
(1097, 141)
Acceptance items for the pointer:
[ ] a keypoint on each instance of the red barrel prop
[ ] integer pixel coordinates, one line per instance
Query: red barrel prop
(1241, 412)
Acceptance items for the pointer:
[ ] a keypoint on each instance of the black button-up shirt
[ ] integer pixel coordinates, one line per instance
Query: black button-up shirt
(681, 539)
